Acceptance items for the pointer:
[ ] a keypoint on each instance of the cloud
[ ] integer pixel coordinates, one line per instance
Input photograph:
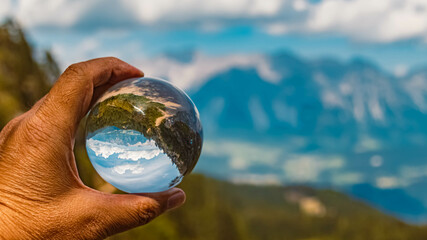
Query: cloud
(255, 179)
(401, 70)
(413, 173)
(184, 74)
(278, 28)
(67, 13)
(406, 176)
(389, 182)
(367, 144)
(362, 20)
(379, 20)
(6, 8)
(307, 168)
(147, 176)
(62, 13)
(194, 10)
(376, 161)
(347, 178)
(202, 67)
(243, 155)
(132, 168)
(135, 152)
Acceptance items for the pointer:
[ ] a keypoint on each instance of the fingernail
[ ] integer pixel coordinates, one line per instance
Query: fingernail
(176, 200)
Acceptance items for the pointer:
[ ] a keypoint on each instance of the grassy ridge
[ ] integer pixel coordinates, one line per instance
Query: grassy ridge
(220, 210)
(119, 111)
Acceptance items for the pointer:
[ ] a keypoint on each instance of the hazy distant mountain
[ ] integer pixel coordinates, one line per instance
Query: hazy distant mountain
(326, 123)
(323, 97)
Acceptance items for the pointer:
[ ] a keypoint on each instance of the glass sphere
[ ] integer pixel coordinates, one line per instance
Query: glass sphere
(143, 135)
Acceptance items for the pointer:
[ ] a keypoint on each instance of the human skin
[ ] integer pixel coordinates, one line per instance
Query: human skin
(41, 194)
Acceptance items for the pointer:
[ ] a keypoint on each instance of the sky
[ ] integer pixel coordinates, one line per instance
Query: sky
(390, 33)
(211, 36)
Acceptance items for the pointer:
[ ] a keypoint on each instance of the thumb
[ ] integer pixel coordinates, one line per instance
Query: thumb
(116, 213)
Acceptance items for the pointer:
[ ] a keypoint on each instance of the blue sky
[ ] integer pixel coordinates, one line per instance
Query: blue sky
(222, 34)
(392, 34)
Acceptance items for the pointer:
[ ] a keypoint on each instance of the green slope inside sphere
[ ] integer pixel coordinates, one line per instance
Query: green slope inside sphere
(129, 111)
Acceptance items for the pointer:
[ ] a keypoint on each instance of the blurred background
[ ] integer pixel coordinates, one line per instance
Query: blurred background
(314, 111)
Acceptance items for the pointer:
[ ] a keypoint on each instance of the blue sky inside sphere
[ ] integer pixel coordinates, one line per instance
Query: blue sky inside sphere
(130, 161)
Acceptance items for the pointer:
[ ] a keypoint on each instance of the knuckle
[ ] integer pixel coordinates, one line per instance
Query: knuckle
(11, 125)
(39, 131)
(147, 212)
(76, 69)
(7, 133)
(33, 129)
(95, 227)
(113, 59)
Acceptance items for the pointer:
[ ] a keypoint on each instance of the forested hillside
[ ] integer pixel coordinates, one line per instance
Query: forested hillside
(219, 210)
(25, 75)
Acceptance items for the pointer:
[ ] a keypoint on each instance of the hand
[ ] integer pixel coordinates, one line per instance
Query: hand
(41, 194)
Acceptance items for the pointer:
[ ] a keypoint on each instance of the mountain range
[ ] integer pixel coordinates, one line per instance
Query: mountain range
(320, 122)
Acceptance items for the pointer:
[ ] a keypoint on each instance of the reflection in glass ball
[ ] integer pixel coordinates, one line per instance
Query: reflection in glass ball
(143, 135)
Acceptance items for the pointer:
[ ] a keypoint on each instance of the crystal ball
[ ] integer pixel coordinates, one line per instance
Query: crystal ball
(143, 135)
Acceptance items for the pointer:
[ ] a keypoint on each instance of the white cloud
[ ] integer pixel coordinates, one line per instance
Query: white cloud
(256, 179)
(347, 178)
(66, 13)
(407, 175)
(400, 70)
(183, 74)
(146, 150)
(365, 20)
(147, 176)
(278, 28)
(307, 168)
(194, 73)
(190, 10)
(243, 155)
(63, 13)
(376, 161)
(103, 149)
(367, 144)
(132, 168)
(300, 5)
(388, 182)
(379, 20)
(413, 173)
(6, 8)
